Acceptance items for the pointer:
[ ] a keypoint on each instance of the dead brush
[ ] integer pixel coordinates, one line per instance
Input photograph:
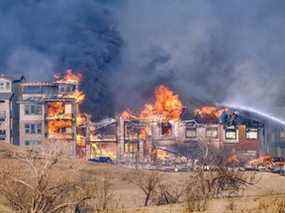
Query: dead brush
(276, 205)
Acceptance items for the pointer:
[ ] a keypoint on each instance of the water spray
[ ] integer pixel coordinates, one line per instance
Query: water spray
(256, 111)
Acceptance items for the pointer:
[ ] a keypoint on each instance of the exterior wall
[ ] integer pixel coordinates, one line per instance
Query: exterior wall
(6, 108)
(275, 140)
(240, 144)
(5, 85)
(6, 125)
(30, 119)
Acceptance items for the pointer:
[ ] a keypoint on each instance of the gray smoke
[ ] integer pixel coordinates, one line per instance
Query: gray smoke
(39, 38)
(217, 51)
(213, 51)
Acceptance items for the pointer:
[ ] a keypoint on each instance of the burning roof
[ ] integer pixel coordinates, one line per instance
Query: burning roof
(227, 116)
(209, 114)
(166, 106)
(69, 77)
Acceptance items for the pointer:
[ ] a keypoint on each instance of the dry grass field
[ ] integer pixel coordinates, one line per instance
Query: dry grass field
(261, 197)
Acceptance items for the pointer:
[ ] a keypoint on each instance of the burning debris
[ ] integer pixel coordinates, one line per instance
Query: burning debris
(209, 114)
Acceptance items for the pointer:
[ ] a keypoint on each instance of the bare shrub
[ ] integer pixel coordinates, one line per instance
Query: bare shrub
(105, 200)
(170, 193)
(206, 184)
(276, 205)
(42, 181)
(148, 183)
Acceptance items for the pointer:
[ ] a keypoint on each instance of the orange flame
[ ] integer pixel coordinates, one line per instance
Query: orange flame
(161, 154)
(81, 119)
(263, 160)
(210, 112)
(55, 109)
(55, 127)
(167, 106)
(69, 77)
(77, 95)
(232, 159)
(127, 115)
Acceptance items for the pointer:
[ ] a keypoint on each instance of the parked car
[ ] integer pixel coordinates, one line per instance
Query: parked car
(102, 159)
(278, 170)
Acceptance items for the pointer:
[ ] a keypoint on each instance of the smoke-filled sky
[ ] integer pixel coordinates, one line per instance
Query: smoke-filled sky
(217, 51)
(221, 51)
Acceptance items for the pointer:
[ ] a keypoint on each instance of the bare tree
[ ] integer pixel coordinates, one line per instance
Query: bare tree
(170, 193)
(42, 181)
(148, 182)
(105, 199)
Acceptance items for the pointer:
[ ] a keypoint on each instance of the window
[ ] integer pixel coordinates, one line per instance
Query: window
(2, 116)
(231, 134)
(2, 134)
(5, 85)
(282, 134)
(251, 133)
(33, 129)
(8, 87)
(166, 129)
(68, 109)
(31, 142)
(66, 88)
(65, 130)
(33, 109)
(2, 86)
(191, 133)
(212, 132)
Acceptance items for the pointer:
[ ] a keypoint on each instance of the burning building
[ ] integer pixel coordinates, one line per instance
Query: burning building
(50, 112)
(158, 131)
(35, 112)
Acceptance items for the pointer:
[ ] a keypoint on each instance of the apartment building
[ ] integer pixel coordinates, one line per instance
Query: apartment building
(48, 112)
(8, 109)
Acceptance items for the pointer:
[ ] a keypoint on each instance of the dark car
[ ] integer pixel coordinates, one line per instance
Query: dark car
(101, 160)
(278, 170)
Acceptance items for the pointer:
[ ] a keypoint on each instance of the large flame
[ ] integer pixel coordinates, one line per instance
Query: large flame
(55, 109)
(100, 151)
(71, 78)
(166, 106)
(55, 128)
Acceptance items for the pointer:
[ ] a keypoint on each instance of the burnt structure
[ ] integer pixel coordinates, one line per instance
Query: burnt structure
(146, 140)
(47, 115)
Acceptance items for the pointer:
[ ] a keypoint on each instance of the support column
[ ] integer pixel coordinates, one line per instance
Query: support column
(120, 138)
